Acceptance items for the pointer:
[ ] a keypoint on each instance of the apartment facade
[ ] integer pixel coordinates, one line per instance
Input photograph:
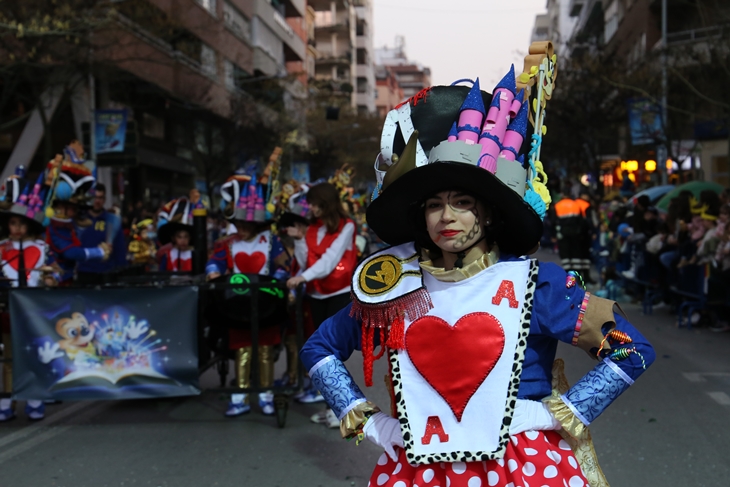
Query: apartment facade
(343, 33)
(180, 68)
(412, 77)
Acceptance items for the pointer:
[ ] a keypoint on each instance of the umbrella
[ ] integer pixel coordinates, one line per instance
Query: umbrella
(654, 193)
(696, 187)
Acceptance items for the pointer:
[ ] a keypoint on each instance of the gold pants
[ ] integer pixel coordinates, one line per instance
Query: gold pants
(7, 366)
(266, 367)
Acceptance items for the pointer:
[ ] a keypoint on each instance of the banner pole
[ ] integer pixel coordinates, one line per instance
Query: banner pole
(200, 240)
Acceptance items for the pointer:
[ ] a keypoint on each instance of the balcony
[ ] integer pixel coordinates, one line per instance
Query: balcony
(326, 22)
(297, 50)
(329, 59)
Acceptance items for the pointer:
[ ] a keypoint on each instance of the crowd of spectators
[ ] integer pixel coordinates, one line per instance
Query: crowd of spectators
(678, 258)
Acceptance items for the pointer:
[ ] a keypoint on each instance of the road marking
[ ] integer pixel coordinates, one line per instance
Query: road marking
(44, 432)
(720, 397)
(36, 440)
(700, 376)
(54, 418)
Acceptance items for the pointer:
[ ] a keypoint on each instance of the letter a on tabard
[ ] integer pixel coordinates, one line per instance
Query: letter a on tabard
(506, 290)
(434, 427)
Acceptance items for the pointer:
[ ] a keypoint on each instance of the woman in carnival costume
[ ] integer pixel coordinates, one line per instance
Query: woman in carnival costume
(326, 256)
(69, 182)
(253, 249)
(468, 325)
(25, 262)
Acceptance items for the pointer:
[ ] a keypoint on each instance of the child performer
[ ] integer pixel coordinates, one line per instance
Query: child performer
(25, 263)
(174, 229)
(253, 249)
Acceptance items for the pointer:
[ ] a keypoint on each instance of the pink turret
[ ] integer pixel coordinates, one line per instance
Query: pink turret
(251, 202)
(515, 134)
(516, 104)
(23, 196)
(259, 208)
(495, 127)
(471, 116)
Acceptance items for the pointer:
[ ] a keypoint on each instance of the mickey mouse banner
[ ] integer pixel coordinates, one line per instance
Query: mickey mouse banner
(76, 344)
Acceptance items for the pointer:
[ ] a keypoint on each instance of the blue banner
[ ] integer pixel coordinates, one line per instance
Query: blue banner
(75, 344)
(110, 130)
(300, 171)
(645, 121)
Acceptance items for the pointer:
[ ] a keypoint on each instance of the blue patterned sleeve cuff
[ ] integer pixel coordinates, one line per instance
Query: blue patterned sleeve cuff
(336, 385)
(591, 395)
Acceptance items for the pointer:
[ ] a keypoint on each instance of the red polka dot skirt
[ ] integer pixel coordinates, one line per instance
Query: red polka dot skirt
(532, 459)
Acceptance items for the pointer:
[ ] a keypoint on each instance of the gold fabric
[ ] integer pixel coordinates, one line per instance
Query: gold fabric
(459, 274)
(266, 366)
(244, 357)
(599, 311)
(7, 366)
(350, 424)
(574, 432)
(292, 358)
(243, 369)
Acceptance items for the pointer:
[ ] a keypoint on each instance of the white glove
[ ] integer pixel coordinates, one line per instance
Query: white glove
(47, 353)
(135, 330)
(385, 432)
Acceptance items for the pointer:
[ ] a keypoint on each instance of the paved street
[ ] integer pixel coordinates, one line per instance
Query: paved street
(671, 429)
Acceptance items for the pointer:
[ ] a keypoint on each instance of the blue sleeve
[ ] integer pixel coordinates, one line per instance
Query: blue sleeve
(218, 262)
(276, 247)
(338, 335)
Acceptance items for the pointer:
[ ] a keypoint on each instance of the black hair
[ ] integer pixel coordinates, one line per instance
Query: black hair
(100, 187)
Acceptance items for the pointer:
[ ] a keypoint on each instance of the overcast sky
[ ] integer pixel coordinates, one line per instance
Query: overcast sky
(459, 38)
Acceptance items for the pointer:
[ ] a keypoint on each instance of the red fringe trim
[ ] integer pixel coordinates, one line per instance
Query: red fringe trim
(389, 318)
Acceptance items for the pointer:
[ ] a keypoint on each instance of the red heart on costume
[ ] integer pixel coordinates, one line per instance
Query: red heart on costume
(250, 264)
(31, 255)
(455, 360)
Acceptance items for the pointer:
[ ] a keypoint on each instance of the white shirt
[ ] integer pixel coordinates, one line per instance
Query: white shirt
(331, 257)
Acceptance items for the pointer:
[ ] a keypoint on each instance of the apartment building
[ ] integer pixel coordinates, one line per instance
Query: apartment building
(411, 76)
(180, 68)
(389, 93)
(343, 32)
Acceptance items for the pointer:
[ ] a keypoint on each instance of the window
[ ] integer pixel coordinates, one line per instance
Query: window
(362, 56)
(236, 22)
(234, 75)
(208, 60)
(153, 127)
(208, 5)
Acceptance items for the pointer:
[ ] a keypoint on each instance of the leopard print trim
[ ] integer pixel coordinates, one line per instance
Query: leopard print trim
(467, 456)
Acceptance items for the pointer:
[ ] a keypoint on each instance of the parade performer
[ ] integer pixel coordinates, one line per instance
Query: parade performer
(468, 325)
(327, 257)
(572, 231)
(69, 181)
(25, 263)
(174, 230)
(253, 249)
(103, 227)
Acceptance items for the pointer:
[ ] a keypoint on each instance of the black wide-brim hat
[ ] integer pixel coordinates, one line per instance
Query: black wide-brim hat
(35, 227)
(169, 229)
(288, 219)
(396, 215)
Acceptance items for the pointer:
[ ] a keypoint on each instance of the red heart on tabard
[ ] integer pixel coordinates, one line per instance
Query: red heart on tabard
(31, 255)
(250, 263)
(455, 360)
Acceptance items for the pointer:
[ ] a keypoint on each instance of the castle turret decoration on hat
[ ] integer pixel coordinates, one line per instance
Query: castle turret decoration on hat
(487, 134)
